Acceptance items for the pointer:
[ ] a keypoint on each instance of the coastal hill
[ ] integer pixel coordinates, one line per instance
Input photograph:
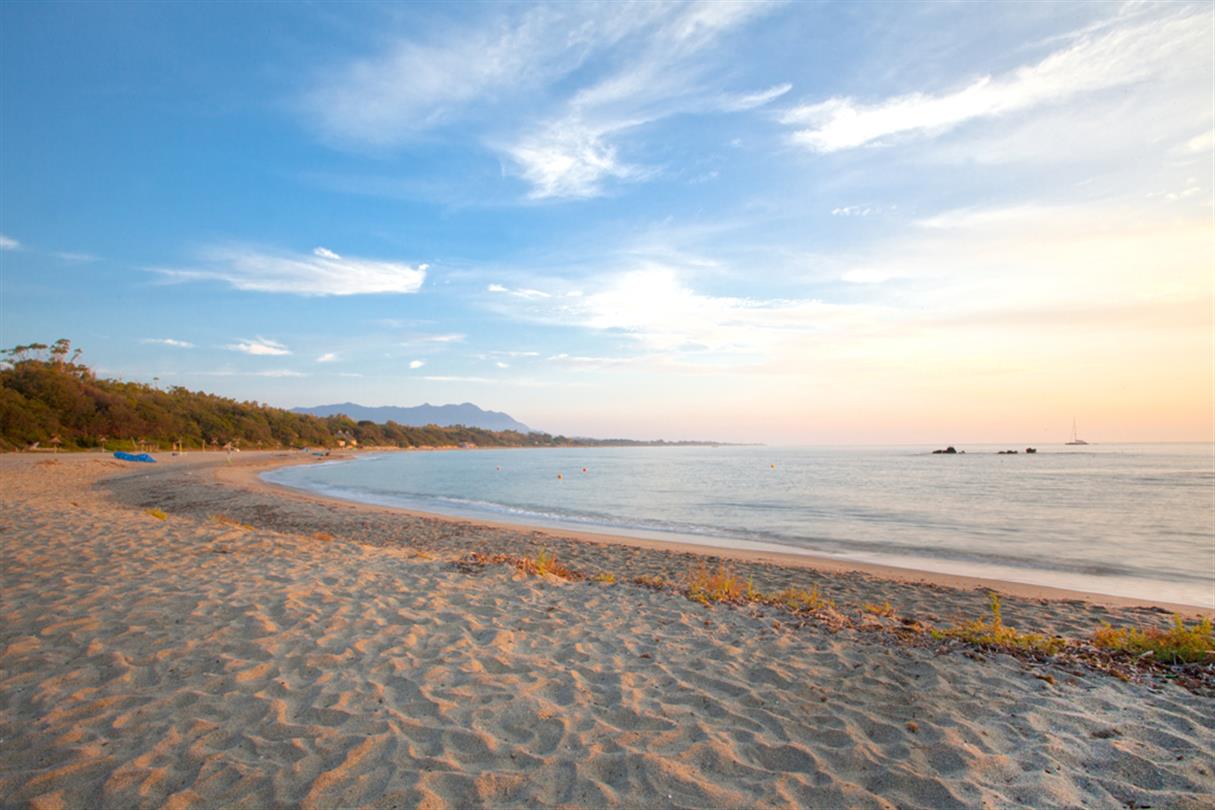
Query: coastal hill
(466, 414)
(50, 400)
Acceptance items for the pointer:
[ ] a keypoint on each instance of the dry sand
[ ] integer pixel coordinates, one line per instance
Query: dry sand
(187, 662)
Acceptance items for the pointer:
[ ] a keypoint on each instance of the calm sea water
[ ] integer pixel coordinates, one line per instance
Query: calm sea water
(1134, 520)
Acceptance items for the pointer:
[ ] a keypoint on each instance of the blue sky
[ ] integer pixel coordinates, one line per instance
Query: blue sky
(777, 222)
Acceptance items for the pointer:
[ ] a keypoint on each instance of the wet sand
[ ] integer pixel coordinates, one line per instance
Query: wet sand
(329, 654)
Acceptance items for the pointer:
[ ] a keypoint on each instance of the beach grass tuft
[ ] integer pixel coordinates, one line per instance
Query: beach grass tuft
(606, 578)
(230, 521)
(545, 565)
(705, 585)
(1180, 644)
(799, 600)
(884, 609)
(656, 583)
(158, 514)
(994, 633)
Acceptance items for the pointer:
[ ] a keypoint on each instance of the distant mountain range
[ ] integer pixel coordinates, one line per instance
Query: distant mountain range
(466, 414)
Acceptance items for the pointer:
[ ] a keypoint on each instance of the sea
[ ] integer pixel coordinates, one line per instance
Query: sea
(1133, 520)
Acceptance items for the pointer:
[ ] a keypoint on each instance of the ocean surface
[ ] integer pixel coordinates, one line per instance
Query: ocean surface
(1131, 520)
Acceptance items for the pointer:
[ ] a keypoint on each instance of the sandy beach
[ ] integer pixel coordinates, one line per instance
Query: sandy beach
(183, 635)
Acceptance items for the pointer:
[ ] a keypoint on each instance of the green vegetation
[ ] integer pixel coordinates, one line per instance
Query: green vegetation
(1181, 643)
(994, 633)
(545, 565)
(47, 397)
(707, 586)
(798, 600)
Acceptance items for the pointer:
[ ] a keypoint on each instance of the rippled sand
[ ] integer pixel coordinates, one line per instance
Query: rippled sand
(186, 662)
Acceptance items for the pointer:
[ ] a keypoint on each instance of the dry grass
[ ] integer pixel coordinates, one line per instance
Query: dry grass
(545, 565)
(722, 585)
(605, 578)
(884, 609)
(799, 600)
(157, 513)
(656, 583)
(324, 537)
(229, 521)
(994, 633)
(1181, 643)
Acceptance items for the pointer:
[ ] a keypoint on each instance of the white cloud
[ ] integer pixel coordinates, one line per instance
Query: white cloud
(322, 272)
(500, 364)
(1122, 56)
(450, 337)
(1201, 144)
(327, 357)
(416, 363)
(72, 256)
(750, 101)
(856, 210)
(653, 305)
(460, 379)
(571, 154)
(519, 292)
(180, 344)
(260, 347)
(570, 159)
(278, 372)
(8, 243)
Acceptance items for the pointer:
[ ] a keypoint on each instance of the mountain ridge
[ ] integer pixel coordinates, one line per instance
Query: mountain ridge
(464, 413)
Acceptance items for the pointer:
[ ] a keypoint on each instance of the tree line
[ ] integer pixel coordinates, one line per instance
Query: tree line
(48, 398)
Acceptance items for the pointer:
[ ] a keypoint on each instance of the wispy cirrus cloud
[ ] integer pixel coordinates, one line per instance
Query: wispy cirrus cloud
(1118, 56)
(319, 273)
(260, 347)
(572, 154)
(180, 344)
(522, 77)
(327, 357)
(654, 305)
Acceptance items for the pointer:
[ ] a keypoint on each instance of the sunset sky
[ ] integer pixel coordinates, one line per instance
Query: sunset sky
(789, 223)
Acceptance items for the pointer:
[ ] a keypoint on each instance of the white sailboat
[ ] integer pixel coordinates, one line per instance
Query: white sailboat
(1075, 437)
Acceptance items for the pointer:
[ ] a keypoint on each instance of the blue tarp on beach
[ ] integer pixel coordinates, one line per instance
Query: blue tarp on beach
(134, 457)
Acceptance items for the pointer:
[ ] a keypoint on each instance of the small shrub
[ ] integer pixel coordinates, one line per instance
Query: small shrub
(158, 514)
(1179, 644)
(799, 600)
(545, 565)
(884, 609)
(233, 522)
(994, 633)
(606, 578)
(717, 586)
(656, 583)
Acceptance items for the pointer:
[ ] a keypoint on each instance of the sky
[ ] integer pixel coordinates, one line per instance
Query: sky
(793, 223)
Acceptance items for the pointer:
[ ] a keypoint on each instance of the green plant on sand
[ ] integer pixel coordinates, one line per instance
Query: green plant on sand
(798, 600)
(1181, 643)
(994, 633)
(545, 565)
(707, 586)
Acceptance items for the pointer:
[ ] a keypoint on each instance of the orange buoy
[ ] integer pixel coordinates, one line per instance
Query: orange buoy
(560, 476)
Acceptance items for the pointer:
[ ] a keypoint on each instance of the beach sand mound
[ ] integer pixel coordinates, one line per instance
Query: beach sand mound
(188, 662)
